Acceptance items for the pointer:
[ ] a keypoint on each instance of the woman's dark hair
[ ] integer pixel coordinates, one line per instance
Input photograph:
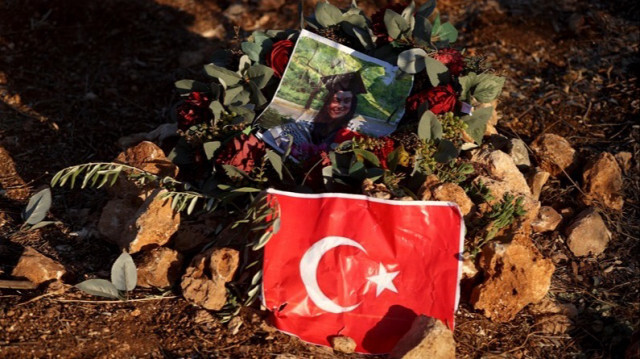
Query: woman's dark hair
(323, 114)
(324, 125)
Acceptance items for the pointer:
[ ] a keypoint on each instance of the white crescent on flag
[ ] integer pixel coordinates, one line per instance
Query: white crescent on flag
(309, 269)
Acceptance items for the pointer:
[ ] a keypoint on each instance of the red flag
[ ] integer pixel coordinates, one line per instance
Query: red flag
(362, 267)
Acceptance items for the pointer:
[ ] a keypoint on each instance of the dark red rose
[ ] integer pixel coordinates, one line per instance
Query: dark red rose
(414, 101)
(377, 22)
(279, 56)
(452, 58)
(194, 110)
(441, 99)
(242, 152)
(386, 146)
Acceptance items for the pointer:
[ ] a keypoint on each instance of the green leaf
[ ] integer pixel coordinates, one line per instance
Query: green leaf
(367, 155)
(256, 96)
(327, 14)
(217, 109)
(252, 50)
(362, 35)
(426, 9)
(393, 159)
(124, 275)
(42, 224)
(477, 123)
(187, 86)
(356, 168)
(243, 112)
(412, 61)
(396, 24)
(276, 162)
(210, 148)
(235, 172)
(260, 75)
(436, 71)
(422, 31)
(229, 77)
(37, 207)
(181, 154)
(246, 190)
(99, 287)
(467, 83)
(192, 205)
(232, 96)
(355, 19)
(446, 151)
(429, 127)
(243, 64)
(488, 87)
(407, 15)
(448, 32)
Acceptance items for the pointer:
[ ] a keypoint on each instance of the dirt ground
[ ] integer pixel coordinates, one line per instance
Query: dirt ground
(75, 76)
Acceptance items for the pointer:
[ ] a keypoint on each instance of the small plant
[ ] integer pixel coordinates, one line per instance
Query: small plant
(124, 277)
(502, 215)
(36, 210)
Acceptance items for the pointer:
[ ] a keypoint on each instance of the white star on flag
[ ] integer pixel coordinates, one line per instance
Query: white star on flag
(383, 280)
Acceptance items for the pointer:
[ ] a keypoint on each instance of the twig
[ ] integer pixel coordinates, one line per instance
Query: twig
(17, 284)
(113, 301)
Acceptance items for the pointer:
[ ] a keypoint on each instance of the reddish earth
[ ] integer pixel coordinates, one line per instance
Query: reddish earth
(76, 76)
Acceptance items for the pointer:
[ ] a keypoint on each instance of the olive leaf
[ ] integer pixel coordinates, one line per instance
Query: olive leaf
(99, 287)
(37, 207)
(412, 61)
(124, 275)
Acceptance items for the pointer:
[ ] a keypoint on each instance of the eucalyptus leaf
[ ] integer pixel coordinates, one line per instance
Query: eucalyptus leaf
(477, 123)
(124, 275)
(448, 32)
(260, 75)
(355, 19)
(396, 24)
(217, 109)
(426, 9)
(422, 31)
(367, 155)
(276, 162)
(181, 154)
(429, 127)
(407, 13)
(412, 61)
(327, 14)
(37, 207)
(210, 148)
(185, 87)
(363, 36)
(99, 287)
(256, 96)
(436, 70)
(446, 151)
(229, 77)
(467, 82)
(244, 64)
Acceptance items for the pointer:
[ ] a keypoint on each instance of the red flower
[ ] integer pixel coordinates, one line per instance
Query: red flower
(383, 151)
(346, 134)
(194, 110)
(414, 101)
(242, 152)
(279, 56)
(441, 99)
(452, 58)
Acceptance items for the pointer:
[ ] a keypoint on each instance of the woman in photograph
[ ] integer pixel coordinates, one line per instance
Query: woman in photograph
(338, 109)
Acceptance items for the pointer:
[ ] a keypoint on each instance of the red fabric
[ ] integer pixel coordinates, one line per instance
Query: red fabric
(417, 243)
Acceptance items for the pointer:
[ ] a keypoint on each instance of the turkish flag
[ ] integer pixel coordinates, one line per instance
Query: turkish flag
(362, 267)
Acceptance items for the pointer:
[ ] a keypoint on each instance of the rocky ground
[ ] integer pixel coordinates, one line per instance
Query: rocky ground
(76, 77)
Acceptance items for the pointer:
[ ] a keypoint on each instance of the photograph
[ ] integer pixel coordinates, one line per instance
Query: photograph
(327, 88)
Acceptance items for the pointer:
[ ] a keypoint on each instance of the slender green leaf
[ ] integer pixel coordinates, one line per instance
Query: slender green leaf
(192, 205)
(367, 155)
(276, 162)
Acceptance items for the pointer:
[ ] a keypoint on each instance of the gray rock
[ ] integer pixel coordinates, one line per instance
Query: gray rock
(518, 151)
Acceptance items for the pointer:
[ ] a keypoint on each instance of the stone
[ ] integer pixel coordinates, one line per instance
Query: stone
(343, 344)
(148, 157)
(501, 167)
(548, 219)
(453, 193)
(554, 153)
(115, 216)
(159, 268)
(37, 268)
(469, 268)
(204, 280)
(519, 153)
(375, 190)
(427, 338)
(193, 236)
(536, 181)
(152, 225)
(498, 189)
(12, 185)
(425, 189)
(602, 182)
(624, 160)
(515, 275)
(587, 234)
